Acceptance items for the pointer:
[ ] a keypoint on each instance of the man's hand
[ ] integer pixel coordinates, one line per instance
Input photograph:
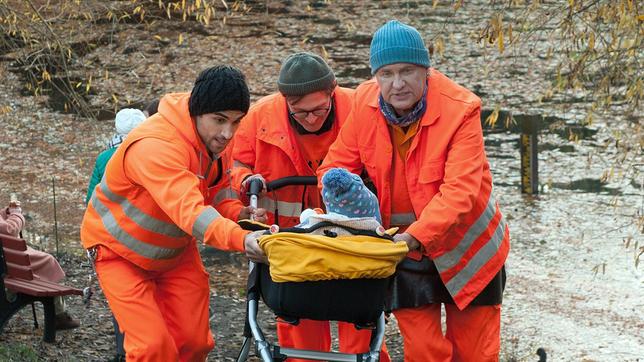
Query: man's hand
(245, 185)
(252, 213)
(253, 251)
(412, 242)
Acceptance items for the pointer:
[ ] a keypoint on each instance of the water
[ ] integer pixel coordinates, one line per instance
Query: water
(573, 286)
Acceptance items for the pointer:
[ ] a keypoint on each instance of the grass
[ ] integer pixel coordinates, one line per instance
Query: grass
(18, 353)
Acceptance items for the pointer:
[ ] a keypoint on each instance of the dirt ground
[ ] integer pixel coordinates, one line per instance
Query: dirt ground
(45, 151)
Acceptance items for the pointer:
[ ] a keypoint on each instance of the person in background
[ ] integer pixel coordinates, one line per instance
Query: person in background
(44, 265)
(152, 108)
(125, 121)
(286, 134)
(418, 135)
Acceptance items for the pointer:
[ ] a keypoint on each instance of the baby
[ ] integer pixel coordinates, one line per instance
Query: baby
(348, 203)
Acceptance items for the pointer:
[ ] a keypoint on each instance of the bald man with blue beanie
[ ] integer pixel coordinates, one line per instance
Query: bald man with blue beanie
(417, 135)
(396, 42)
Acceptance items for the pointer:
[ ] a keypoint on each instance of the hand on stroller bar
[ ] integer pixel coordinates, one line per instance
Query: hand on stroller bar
(245, 185)
(253, 213)
(253, 251)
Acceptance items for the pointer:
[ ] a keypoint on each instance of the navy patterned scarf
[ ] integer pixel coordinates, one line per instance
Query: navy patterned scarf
(404, 121)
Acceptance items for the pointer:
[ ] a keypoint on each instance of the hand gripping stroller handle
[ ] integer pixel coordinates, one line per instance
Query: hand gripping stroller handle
(290, 181)
(255, 186)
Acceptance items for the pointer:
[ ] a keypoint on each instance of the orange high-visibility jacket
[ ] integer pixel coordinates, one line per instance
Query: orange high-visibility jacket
(151, 202)
(266, 143)
(456, 218)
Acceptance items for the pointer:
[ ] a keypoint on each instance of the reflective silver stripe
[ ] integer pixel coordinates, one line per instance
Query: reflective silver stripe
(451, 258)
(289, 209)
(207, 216)
(403, 219)
(142, 219)
(490, 249)
(224, 194)
(144, 249)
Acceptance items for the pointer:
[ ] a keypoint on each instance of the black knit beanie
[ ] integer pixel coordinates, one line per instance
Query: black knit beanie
(304, 73)
(220, 88)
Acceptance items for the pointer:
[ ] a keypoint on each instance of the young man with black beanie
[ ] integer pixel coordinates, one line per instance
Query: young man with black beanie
(153, 204)
(285, 134)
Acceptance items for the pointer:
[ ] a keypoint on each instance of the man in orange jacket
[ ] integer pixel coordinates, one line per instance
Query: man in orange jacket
(285, 134)
(142, 221)
(418, 136)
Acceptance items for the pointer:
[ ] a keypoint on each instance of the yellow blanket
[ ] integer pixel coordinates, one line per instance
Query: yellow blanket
(298, 257)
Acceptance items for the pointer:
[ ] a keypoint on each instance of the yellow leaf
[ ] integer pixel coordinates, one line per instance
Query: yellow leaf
(591, 41)
(435, 4)
(501, 45)
(325, 54)
(180, 39)
(46, 75)
(89, 84)
(439, 45)
(115, 98)
(493, 117)
(225, 5)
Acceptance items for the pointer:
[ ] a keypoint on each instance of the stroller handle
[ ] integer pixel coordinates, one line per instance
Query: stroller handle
(290, 181)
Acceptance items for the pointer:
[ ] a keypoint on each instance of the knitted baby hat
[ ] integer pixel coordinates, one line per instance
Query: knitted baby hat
(344, 193)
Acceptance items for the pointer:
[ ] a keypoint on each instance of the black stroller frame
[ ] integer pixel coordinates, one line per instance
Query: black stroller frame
(271, 352)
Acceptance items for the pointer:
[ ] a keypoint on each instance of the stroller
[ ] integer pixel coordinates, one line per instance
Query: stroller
(361, 301)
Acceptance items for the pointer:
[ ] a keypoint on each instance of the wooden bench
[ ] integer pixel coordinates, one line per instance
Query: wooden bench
(16, 276)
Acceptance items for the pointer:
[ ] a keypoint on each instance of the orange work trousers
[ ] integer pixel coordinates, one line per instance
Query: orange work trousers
(473, 334)
(316, 335)
(164, 315)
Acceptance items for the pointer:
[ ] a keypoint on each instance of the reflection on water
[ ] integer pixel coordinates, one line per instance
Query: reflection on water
(587, 185)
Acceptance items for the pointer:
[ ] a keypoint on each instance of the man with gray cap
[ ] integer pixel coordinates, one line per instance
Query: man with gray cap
(288, 134)
(418, 136)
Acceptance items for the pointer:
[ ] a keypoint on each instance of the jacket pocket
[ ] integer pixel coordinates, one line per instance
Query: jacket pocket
(432, 172)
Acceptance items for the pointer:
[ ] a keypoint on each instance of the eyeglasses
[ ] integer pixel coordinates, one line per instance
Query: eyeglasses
(320, 112)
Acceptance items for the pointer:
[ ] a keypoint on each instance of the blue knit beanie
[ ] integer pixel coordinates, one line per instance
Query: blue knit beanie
(344, 193)
(396, 42)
